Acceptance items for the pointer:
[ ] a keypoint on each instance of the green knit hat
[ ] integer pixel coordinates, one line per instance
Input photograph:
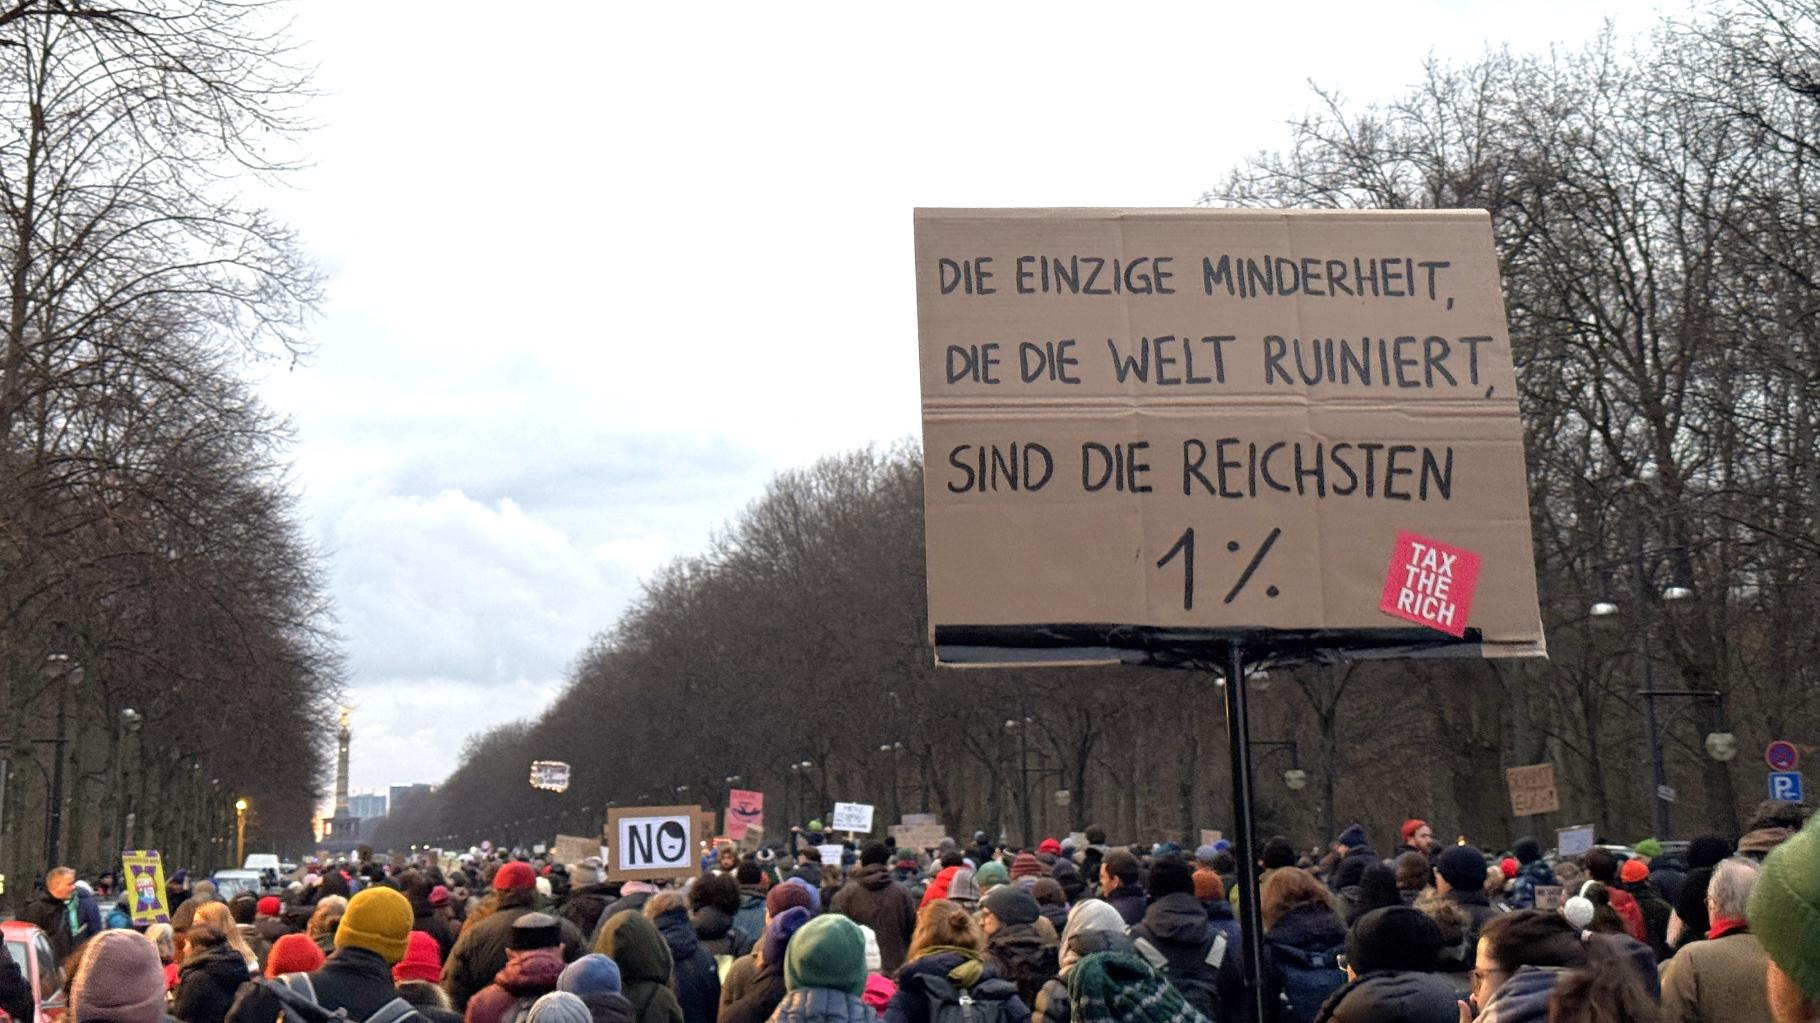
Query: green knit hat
(828, 951)
(1648, 847)
(990, 874)
(1784, 908)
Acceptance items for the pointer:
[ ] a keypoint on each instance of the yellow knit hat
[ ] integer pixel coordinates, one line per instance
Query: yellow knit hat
(378, 919)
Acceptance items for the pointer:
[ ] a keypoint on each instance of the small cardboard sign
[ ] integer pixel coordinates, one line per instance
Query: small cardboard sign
(1574, 841)
(855, 817)
(1548, 896)
(1144, 423)
(831, 854)
(752, 839)
(745, 809)
(550, 775)
(1209, 836)
(572, 849)
(1532, 789)
(921, 818)
(652, 843)
(144, 879)
(918, 836)
(1430, 583)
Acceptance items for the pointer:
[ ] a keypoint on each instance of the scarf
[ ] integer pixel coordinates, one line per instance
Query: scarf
(970, 970)
(1723, 925)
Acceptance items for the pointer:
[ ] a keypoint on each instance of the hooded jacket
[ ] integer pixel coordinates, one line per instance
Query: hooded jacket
(1025, 957)
(1523, 998)
(207, 983)
(584, 905)
(1178, 928)
(1303, 931)
(480, 952)
(644, 967)
(938, 888)
(1129, 900)
(1392, 996)
(715, 932)
(870, 897)
(693, 975)
(608, 1008)
(911, 1003)
(750, 920)
(526, 975)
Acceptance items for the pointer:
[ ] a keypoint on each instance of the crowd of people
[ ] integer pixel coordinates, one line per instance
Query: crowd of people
(976, 933)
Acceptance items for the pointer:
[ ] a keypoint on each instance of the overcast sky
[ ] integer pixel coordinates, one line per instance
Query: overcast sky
(597, 271)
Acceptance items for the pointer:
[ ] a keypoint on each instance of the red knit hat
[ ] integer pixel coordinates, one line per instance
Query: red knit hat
(514, 875)
(1208, 885)
(1049, 846)
(1027, 865)
(422, 960)
(1410, 827)
(1633, 871)
(1508, 867)
(293, 953)
(270, 906)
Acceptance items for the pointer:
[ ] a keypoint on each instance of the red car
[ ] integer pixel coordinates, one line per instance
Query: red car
(32, 951)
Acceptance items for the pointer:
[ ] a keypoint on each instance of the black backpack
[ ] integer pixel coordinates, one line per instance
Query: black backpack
(984, 1002)
(298, 996)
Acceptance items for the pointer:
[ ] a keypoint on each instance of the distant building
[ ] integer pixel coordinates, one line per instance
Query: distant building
(367, 805)
(402, 794)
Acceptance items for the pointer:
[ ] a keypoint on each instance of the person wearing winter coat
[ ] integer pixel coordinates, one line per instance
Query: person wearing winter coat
(594, 978)
(1720, 979)
(749, 919)
(1093, 926)
(1051, 901)
(533, 963)
(946, 956)
(424, 916)
(1014, 946)
(1119, 885)
(1390, 961)
(1350, 856)
(1531, 872)
(634, 944)
(1656, 913)
(1532, 966)
(67, 916)
(872, 898)
(760, 996)
(1303, 940)
(825, 974)
(479, 953)
(1460, 878)
(211, 974)
(1121, 987)
(1178, 939)
(713, 900)
(121, 981)
(588, 896)
(938, 888)
(1602, 867)
(372, 937)
(1784, 913)
(693, 974)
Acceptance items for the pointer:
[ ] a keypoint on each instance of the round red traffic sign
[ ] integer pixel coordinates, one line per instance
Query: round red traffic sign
(1782, 755)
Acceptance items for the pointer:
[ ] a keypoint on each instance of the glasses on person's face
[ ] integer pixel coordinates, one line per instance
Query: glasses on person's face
(1340, 961)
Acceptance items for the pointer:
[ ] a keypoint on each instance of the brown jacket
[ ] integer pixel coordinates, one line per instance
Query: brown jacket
(873, 899)
(1716, 981)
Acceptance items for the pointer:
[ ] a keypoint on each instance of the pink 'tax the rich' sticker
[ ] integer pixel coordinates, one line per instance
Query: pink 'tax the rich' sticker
(1430, 583)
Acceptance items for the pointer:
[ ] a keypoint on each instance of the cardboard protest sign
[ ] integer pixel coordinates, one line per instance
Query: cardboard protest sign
(752, 839)
(1532, 789)
(831, 854)
(852, 817)
(570, 849)
(1209, 836)
(1574, 841)
(1146, 427)
(744, 809)
(920, 818)
(143, 874)
(652, 843)
(550, 775)
(918, 836)
(1548, 896)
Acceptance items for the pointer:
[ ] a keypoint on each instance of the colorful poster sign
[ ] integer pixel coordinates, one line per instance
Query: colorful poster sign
(144, 875)
(744, 810)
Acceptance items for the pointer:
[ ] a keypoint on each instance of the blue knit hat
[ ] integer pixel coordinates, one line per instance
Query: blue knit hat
(592, 974)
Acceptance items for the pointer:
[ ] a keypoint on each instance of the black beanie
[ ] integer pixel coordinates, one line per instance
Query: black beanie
(1394, 938)
(874, 852)
(1170, 875)
(1707, 851)
(1012, 905)
(1278, 852)
(1463, 866)
(1691, 906)
(1527, 850)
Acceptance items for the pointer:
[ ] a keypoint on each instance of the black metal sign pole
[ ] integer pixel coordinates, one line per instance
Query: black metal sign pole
(1245, 849)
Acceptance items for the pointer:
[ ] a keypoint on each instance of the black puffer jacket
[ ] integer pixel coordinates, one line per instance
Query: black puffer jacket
(1386, 996)
(354, 979)
(1178, 928)
(693, 976)
(207, 984)
(715, 932)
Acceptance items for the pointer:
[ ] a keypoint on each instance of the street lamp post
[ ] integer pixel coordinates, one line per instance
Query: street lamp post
(239, 831)
(58, 665)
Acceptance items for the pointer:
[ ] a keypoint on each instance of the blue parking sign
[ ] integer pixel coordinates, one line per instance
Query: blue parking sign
(1785, 785)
